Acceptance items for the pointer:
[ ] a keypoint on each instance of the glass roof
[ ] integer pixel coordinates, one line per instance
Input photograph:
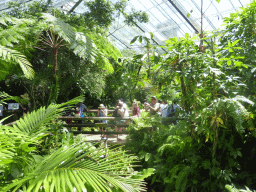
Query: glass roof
(167, 18)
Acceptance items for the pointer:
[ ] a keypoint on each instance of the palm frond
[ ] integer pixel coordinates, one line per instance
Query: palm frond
(33, 123)
(80, 167)
(28, 132)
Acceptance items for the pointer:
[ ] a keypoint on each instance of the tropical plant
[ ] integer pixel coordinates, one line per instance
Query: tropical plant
(9, 56)
(240, 29)
(217, 121)
(77, 166)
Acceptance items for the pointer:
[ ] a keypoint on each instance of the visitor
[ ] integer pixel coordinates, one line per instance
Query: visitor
(81, 109)
(103, 112)
(164, 109)
(135, 109)
(172, 110)
(124, 104)
(122, 112)
(154, 107)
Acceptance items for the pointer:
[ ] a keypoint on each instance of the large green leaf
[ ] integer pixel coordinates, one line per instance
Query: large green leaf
(12, 57)
(80, 166)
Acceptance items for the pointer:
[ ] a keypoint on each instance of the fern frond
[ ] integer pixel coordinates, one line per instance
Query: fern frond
(182, 179)
(81, 44)
(16, 30)
(173, 172)
(14, 56)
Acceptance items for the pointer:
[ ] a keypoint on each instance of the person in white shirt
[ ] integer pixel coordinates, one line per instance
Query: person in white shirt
(154, 107)
(122, 112)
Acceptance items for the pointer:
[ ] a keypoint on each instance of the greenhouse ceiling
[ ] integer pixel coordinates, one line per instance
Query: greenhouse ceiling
(167, 18)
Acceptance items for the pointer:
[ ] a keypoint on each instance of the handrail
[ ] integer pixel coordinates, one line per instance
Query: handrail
(95, 118)
(96, 110)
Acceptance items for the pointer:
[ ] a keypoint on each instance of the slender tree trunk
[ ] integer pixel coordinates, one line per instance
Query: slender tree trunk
(149, 64)
(202, 18)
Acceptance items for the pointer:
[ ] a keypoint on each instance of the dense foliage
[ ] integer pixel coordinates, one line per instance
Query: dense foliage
(209, 145)
(214, 144)
(75, 164)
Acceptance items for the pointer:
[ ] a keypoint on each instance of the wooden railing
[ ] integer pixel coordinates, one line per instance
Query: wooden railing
(112, 123)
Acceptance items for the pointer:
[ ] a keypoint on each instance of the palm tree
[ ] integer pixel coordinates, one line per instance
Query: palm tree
(78, 166)
(21, 36)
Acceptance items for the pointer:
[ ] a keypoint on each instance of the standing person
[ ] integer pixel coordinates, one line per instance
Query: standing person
(154, 107)
(124, 105)
(122, 112)
(164, 109)
(81, 109)
(135, 109)
(103, 112)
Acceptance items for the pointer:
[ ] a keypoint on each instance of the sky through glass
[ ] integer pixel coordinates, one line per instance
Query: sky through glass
(167, 18)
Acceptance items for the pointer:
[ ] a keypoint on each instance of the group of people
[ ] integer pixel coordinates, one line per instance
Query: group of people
(121, 110)
(155, 107)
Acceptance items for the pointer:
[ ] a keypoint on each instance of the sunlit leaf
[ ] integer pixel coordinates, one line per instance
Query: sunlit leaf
(140, 39)
(134, 39)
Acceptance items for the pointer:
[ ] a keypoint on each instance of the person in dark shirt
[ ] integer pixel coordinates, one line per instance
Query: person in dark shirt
(81, 109)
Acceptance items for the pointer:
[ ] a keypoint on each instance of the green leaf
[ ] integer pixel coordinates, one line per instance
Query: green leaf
(151, 35)
(139, 56)
(147, 156)
(238, 63)
(134, 39)
(235, 42)
(188, 15)
(229, 62)
(140, 39)
(186, 35)
(144, 174)
(217, 1)
(229, 43)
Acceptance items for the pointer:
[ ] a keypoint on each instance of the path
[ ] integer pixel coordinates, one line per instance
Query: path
(111, 138)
